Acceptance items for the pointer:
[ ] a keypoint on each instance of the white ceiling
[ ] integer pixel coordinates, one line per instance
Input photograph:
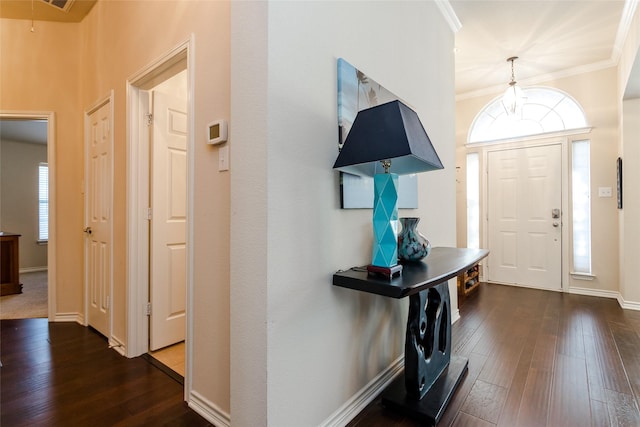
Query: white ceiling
(31, 131)
(551, 38)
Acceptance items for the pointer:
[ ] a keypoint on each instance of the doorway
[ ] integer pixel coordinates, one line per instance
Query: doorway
(168, 220)
(27, 214)
(524, 216)
(98, 220)
(151, 249)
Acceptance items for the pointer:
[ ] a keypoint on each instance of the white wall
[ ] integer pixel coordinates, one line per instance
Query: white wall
(628, 83)
(300, 348)
(19, 204)
(630, 214)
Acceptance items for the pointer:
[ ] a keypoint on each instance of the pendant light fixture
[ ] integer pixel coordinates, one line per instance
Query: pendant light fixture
(513, 98)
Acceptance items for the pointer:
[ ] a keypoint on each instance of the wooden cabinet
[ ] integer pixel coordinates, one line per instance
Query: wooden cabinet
(9, 264)
(469, 280)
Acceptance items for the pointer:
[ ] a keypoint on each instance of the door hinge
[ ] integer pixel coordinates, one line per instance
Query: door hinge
(148, 309)
(149, 213)
(149, 119)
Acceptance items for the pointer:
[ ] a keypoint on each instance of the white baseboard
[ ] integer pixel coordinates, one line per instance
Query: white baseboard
(209, 410)
(32, 269)
(628, 305)
(594, 292)
(69, 317)
(117, 345)
(455, 316)
(366, 395)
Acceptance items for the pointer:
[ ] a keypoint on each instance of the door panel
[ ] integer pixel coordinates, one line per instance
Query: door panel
(524, 186)
(168, 224)
(98, 219)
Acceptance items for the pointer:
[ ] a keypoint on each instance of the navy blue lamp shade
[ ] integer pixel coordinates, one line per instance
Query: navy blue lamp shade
(390, 134)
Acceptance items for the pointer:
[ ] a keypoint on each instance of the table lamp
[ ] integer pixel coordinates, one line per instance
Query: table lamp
(386, 141)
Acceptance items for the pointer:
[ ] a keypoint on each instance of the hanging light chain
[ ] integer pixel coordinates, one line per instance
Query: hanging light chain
(513, 73)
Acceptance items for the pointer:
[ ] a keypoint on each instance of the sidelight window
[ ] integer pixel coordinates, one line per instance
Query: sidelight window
(581, 207)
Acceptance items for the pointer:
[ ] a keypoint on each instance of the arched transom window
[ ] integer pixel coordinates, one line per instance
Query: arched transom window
(545, 110)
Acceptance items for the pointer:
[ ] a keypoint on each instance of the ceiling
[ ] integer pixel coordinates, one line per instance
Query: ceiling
(42, 10)
(20, 130)
(551, 38)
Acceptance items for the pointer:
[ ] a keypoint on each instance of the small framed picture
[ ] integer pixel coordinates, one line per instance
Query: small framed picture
(619, 181)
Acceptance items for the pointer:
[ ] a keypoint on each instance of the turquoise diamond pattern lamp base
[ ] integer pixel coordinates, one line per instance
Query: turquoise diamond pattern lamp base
(385, 221)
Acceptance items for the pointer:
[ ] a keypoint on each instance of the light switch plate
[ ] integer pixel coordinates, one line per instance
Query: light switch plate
(605, 192)
(223, 158)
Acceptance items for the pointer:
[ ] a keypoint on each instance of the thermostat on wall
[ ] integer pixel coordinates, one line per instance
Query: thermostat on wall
(217, 132)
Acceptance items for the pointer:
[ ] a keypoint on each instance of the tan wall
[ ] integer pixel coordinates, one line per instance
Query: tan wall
(596, 92)
(119, 40)
(19, 204)
(66, 68)
(39, 71)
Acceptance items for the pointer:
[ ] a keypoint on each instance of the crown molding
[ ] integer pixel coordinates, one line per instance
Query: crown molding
(449, 15)
(623, 28)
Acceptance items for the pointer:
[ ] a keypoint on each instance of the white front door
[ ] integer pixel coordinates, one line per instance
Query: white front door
(524, 216)
(169, 220)
(98, 217)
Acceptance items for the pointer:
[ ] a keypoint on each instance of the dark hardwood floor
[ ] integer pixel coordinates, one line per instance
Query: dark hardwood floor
(63, 374)
(539, 358)
(536, 358)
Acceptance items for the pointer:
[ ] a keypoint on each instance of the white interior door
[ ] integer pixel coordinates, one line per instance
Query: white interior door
(524, 216)
(98, 196)
(168, 273)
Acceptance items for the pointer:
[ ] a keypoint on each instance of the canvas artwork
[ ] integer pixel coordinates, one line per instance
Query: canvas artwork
(357, 91)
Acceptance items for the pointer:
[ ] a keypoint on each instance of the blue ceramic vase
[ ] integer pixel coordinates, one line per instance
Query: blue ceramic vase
(412, 246)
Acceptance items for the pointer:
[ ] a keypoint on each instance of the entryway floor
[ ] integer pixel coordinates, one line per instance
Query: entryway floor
(172, 357)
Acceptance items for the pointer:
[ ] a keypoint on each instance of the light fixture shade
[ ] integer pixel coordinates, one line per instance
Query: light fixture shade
(390, 131)
(513, 100)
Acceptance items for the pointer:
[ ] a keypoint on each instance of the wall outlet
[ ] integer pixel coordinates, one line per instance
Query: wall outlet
(605, 192)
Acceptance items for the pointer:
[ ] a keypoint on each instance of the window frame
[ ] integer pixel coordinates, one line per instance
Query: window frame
(43, 199)
(492, 124)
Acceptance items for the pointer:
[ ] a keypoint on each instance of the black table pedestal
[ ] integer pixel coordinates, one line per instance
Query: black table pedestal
(431, 372)
(431, 407)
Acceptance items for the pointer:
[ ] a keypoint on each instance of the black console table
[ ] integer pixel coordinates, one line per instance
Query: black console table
(431, 372)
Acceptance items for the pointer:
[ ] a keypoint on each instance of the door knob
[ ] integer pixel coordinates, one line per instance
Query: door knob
(88, 230)
(556, 224)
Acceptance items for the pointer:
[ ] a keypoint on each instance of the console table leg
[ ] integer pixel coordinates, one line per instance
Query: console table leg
(431, 373)
(427, 348)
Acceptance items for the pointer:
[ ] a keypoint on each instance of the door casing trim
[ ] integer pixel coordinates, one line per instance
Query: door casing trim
(138, 200)
(49, 116)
